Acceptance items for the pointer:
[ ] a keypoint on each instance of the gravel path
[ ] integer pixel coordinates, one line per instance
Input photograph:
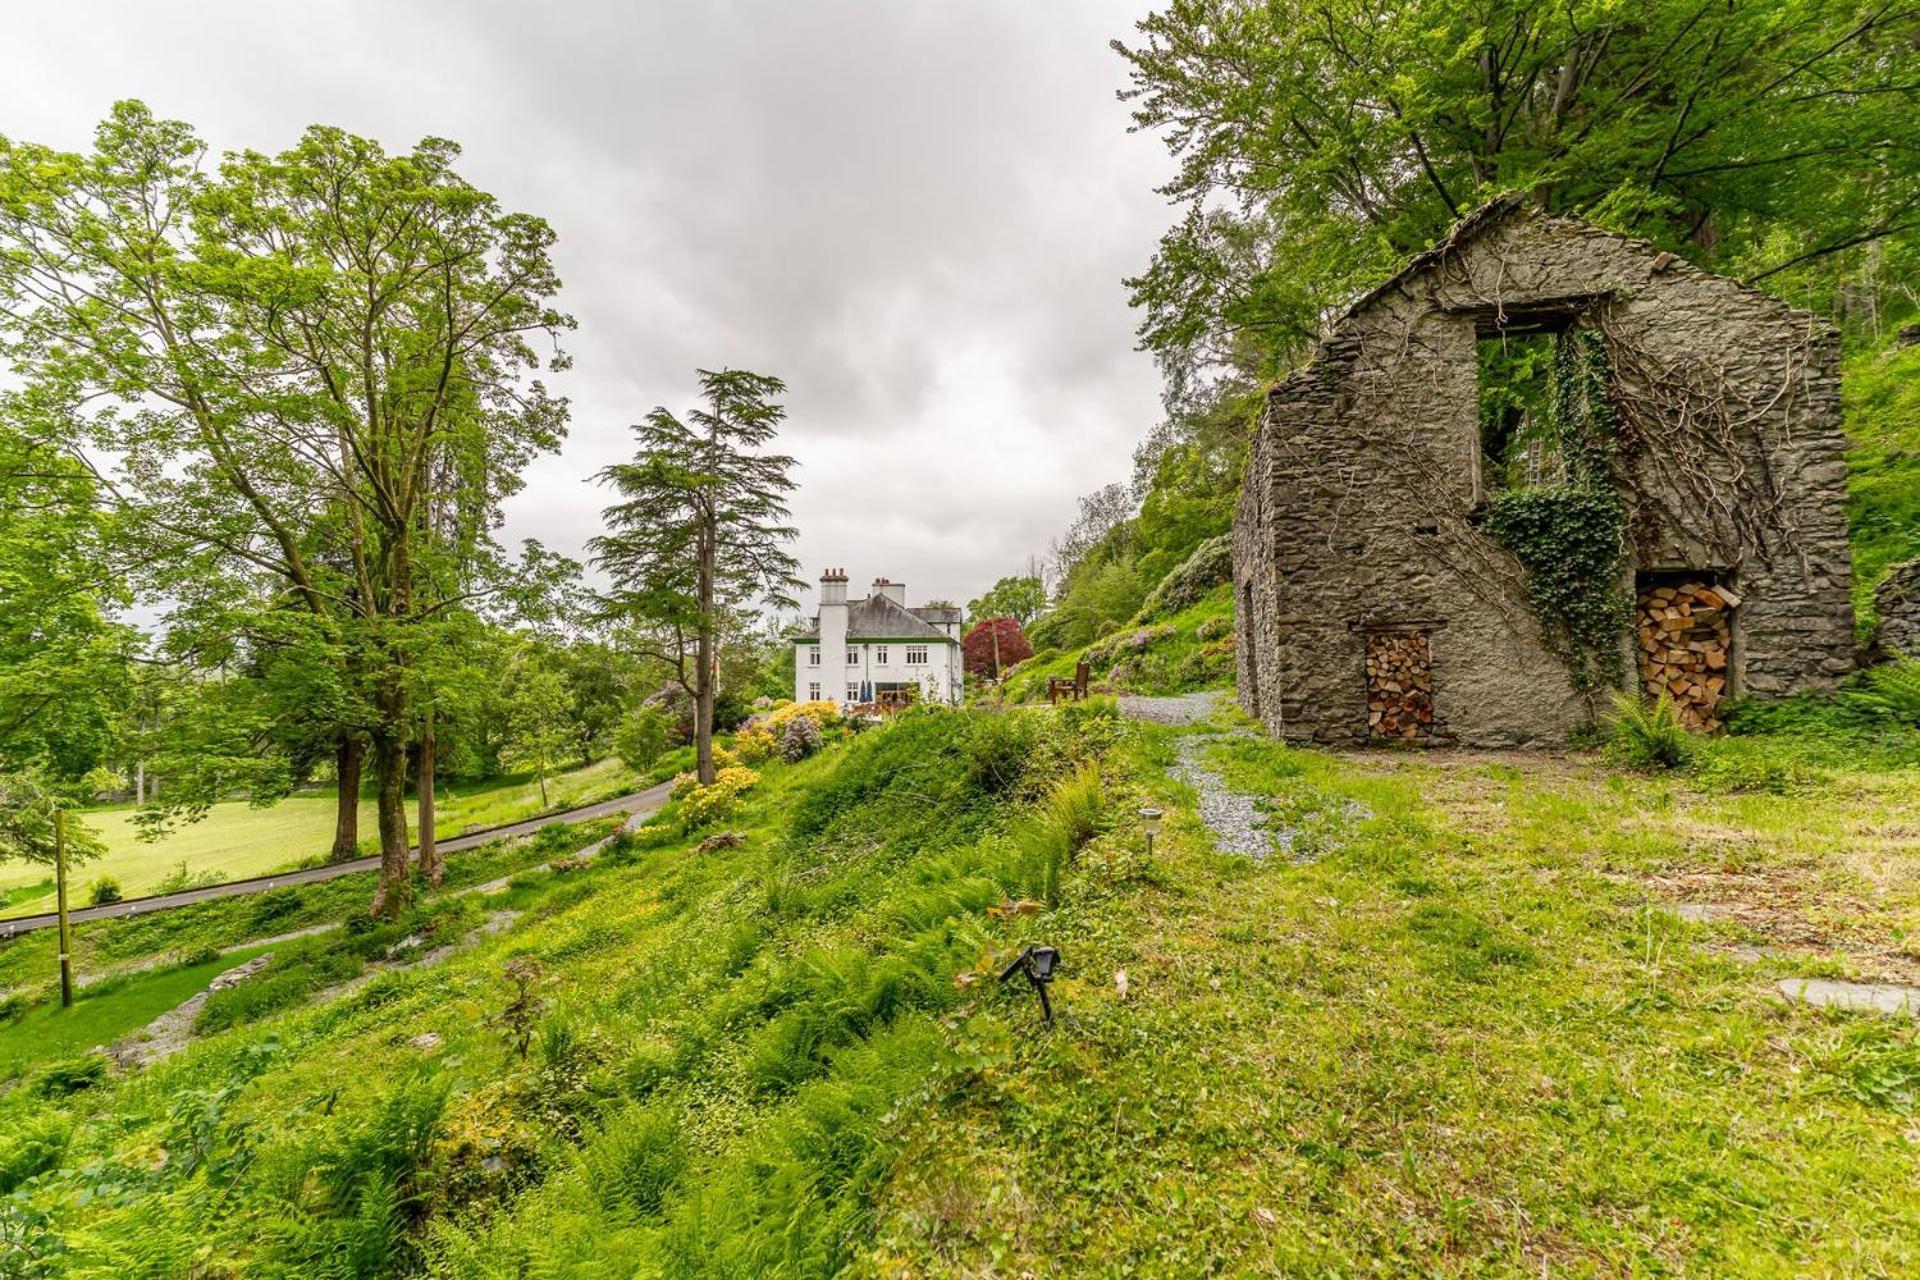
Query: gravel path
(1234, 818)
(1237, 824)
(1180, 709)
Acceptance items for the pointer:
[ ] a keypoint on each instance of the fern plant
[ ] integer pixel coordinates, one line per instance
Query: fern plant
(1645, 735)
(1894, 689)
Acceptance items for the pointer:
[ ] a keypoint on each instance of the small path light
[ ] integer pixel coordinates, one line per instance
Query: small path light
(1038, 963)
(1150, 823)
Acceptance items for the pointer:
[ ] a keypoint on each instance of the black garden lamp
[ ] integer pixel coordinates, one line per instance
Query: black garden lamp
(1150, 823)
(1038, 963)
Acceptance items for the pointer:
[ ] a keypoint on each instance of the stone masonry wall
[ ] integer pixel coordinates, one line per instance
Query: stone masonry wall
(1896, 601)
(1363, 487)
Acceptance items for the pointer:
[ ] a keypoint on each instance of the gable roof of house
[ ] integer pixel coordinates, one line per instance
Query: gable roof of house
(878, 617)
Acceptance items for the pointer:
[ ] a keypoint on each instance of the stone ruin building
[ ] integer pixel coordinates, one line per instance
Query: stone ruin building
(1380, 593)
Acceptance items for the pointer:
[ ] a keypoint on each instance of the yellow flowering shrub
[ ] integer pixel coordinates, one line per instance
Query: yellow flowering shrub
(753, 745)
(822, 712)
(705, 805)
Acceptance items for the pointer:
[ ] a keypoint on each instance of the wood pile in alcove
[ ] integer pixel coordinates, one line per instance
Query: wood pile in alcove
(1685, 646)
(1399, 686)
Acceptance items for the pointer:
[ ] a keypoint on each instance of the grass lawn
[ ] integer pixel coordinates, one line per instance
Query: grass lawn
(238, 840)
(104, 1012)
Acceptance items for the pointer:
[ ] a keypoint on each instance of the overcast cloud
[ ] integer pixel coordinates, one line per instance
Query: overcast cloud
(916, 212)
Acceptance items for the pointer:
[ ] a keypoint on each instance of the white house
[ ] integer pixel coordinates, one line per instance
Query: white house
(860, 650)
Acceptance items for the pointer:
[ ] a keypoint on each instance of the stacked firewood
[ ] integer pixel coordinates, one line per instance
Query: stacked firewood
(1685, 644)
(1399, 685)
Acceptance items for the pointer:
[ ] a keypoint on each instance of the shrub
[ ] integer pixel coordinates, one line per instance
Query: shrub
(104, 892)
(179, 880)
(1062, 824)
(1894, 689)
(705, 805)
(33, 1144)
(1000, 747)
(801, 739)
(13, 1007)
(823, 713)
(1210, 565)
(978, 647)
(754, 745)
(1645, 735)
(635, 1159)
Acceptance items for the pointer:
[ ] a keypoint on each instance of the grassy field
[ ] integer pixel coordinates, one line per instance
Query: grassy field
(237, 840)
(1497, 1014)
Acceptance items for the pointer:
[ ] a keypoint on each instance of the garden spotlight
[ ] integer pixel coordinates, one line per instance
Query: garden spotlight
(1038, 963)
(1150, 823)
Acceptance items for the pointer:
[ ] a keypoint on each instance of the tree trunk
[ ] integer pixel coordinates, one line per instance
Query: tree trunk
(390, 768)
(430, 864)
(348, 758)
(703, 659)
(139, 781)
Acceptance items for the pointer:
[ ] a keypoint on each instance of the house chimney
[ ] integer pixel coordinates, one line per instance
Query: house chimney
(833, 587)
(894, 591)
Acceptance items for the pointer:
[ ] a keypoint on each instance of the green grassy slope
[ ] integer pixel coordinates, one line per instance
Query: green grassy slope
(1187, 650)
(1464, 1034)
(1882, 392)
(237, 840)
(716, 1044)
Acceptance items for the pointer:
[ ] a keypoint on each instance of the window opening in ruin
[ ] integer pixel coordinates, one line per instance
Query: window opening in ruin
(1399, 685)
(1519, 442)
(1250, 649)
(1684, 640)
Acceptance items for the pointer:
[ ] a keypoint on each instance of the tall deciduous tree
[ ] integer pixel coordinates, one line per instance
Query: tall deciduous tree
(700, 531)
(1320, 141)
(1021, 598)
(303, 361)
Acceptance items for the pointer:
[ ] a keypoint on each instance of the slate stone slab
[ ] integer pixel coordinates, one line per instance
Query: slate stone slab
(1871, 997)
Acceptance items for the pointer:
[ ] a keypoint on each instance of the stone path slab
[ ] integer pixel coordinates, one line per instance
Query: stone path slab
(1868, 997)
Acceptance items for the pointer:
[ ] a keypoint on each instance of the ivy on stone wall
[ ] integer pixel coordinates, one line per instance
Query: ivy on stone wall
(1570, 538)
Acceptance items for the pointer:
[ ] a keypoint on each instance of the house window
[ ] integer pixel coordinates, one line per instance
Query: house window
(853, 692)
(879, 653)
(813, 656)
(853, 657)
(916, 655)
(813, 692)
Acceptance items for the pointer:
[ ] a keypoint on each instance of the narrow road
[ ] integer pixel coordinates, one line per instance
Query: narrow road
(639, 802)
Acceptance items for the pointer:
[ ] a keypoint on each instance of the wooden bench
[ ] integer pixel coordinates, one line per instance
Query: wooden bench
(1059, 687)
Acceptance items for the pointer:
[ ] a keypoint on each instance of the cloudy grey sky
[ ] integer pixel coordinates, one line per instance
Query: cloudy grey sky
(916, 212)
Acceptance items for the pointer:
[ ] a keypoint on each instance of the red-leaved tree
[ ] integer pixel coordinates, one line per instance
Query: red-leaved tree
(993, 645)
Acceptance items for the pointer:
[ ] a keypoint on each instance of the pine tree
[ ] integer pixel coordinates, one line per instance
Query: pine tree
(700, 532)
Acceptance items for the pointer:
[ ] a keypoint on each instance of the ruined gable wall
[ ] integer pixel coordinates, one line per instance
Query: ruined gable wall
(1739, 449)
(1379, 440)
(1379, 445)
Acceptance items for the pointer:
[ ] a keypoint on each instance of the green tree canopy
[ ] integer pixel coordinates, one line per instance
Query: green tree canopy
(1021, 597)
(315, 367)
(1321, 141)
